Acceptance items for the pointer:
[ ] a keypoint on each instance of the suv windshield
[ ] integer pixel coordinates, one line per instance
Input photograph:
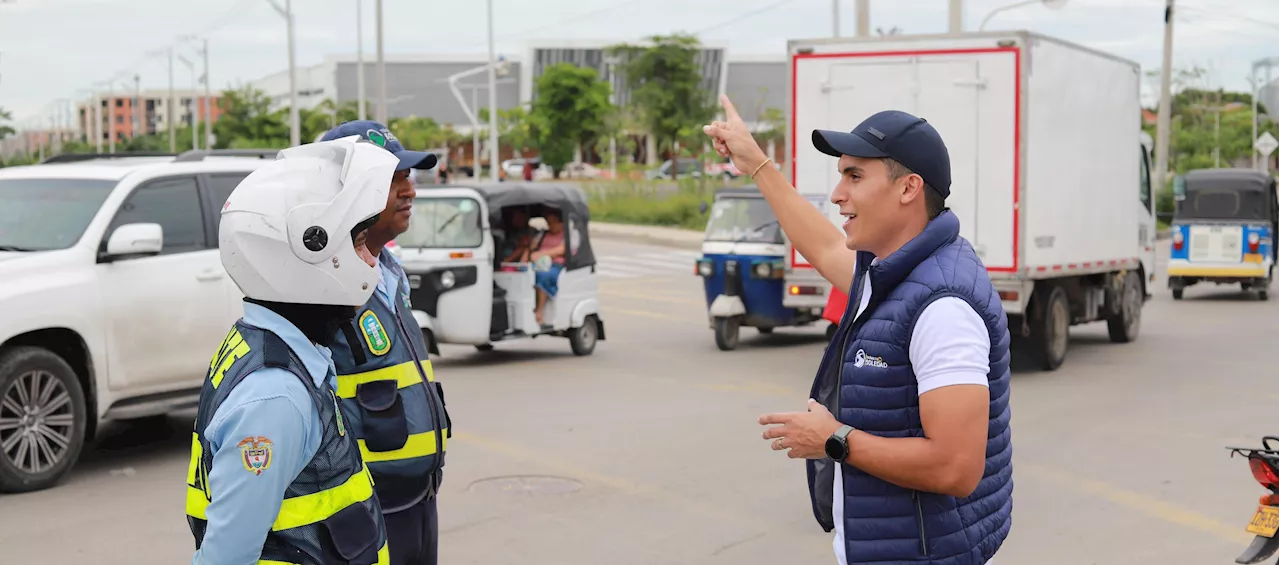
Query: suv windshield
(47, 214)
(743, 219)
(443, 223)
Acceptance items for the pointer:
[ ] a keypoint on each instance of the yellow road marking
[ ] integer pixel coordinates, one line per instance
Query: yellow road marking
(1143, 504)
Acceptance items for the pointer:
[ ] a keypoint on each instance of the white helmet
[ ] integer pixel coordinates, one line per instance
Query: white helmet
(286, 230)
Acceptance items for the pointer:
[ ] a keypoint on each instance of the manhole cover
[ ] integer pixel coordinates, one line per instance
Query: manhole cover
(527, 485)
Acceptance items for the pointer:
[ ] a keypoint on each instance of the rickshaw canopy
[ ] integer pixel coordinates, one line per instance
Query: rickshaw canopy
(1227, 195)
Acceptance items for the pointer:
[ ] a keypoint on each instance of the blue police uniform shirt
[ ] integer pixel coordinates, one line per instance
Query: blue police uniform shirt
(270, 402)
(389, 280)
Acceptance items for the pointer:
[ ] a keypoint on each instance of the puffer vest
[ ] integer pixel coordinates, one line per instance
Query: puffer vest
(329, 514)
(387, 385)
(867, 381)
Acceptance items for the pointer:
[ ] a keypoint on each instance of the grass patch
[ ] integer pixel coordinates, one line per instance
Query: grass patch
(651, 203)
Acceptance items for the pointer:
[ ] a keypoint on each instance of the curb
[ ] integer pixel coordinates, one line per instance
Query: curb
(651, 235)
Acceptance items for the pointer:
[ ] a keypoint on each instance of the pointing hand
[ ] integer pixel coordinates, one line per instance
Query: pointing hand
(732, 139)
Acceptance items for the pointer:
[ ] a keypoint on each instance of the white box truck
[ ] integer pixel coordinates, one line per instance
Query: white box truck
(1049, 166)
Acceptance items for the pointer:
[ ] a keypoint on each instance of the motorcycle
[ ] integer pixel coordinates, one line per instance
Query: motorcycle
(1264, 523)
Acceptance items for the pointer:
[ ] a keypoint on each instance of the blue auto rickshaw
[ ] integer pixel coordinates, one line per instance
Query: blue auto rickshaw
(1223, 230)
(742, 267)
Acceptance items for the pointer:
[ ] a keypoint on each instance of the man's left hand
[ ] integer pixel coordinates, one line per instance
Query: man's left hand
(803, 433)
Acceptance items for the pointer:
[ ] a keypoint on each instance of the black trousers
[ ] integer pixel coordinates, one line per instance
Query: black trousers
(413, 534)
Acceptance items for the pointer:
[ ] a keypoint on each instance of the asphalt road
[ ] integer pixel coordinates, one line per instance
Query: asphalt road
(648, 451)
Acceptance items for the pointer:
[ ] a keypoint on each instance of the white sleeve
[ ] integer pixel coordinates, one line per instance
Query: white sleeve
(950, 346)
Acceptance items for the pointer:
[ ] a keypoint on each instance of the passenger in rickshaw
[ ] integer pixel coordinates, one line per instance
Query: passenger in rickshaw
(548, 260)
(519, 236)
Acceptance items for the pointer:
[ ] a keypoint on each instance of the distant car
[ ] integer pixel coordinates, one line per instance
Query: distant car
(114, 298)
(581, 171)
(688, 167)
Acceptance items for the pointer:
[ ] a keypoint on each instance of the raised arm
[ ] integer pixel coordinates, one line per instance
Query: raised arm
(813, 235)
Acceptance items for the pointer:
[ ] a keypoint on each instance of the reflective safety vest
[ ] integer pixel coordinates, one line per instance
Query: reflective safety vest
(329, 514)
(397, 409)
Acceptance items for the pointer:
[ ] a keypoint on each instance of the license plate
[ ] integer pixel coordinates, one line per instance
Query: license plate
(1265, 522)
(1252, 257)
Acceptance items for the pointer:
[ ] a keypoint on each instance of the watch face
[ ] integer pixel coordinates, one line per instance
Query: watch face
(834, 448)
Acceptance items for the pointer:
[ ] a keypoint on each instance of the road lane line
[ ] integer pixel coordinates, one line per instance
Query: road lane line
(1141, 503)
(657, 298)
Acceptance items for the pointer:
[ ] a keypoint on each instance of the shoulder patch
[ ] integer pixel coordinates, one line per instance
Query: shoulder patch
(375, 336)
(255, 453)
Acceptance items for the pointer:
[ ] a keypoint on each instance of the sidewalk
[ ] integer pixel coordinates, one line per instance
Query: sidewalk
(652, 235)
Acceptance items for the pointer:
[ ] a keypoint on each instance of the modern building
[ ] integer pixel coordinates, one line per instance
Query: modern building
(418, 85)
(145, 112)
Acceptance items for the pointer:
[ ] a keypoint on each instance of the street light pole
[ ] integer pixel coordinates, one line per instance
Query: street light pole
(493, 102)
(613, 105)
(295, 133)
(835, 18)
(191, 106)
(382, 71)
(863, 14)
(208, 115)
(360, 58)
(169, 108)
(1163, 118)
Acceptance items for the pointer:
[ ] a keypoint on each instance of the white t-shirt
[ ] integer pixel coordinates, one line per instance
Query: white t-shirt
(949, 346)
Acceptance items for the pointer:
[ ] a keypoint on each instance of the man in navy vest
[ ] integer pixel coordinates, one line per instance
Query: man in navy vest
(385, 380)
(907, 429)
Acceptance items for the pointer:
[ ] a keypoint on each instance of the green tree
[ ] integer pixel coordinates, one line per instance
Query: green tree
(6, 130)
(247, 121)
(515, 129)
(666, 85)
(569, 110)
(314, 122)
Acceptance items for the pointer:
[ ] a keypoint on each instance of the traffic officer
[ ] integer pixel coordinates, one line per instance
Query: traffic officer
(385, 380)
(275, 473)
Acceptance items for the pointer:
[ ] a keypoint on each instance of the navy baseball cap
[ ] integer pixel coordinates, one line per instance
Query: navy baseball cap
(899, 136)
(380, 135)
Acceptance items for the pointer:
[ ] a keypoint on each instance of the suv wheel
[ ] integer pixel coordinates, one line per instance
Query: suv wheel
(42, 419)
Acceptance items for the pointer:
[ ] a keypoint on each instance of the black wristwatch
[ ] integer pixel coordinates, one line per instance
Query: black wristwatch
(838, 444)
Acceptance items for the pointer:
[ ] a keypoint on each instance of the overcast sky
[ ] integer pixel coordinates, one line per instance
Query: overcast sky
(51, 49)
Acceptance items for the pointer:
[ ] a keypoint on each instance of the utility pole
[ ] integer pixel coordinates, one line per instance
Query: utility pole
(360, 58)
(1163, 118)
(863, 23)
(835, 18)
(382, 71)
(955, 17)
(295, 132)
(208, 115)
(191, 103)
(170, 107)
(139, 119)
(493, 103)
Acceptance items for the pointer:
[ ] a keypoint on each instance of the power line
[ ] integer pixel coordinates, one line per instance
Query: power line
(747, 15)
(1219, 13)
(562, 21)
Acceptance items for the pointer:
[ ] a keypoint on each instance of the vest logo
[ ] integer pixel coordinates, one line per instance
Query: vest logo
(374, 335)
(861, 359)
(255, 453)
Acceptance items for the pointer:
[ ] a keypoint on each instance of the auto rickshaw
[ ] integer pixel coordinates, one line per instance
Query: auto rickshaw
(742, 267)
(1223, 230)
(463, 292)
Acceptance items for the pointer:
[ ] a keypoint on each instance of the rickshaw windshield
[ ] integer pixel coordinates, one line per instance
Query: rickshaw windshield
(1223, 203)
(743, 220)
(443, 223)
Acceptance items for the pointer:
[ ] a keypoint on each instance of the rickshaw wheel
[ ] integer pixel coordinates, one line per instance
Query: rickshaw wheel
(727, 333)
(1177, 294)
(484, 347)
(583, 340)
(765, 331)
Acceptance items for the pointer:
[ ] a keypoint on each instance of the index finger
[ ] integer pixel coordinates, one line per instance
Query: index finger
(777, 418)
(730, 112)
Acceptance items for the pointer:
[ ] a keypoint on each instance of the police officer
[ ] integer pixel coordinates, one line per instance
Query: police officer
(275, 473)
(385, 380)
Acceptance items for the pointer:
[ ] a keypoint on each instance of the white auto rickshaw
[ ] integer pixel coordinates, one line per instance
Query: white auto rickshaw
(463, 288)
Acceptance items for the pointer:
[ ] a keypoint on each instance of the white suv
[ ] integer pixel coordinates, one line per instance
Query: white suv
(112, 298)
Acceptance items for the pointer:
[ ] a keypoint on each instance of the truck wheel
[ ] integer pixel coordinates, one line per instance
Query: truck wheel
(727, 333)
(42, 419)
(582, 340)
(1123, 326)
(1263, 295)
(1050, 335)
(1177, 294)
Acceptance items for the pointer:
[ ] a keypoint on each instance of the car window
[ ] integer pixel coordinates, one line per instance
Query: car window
(1144, 190)
(174, 203)
(46, 214)
(219, 187)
